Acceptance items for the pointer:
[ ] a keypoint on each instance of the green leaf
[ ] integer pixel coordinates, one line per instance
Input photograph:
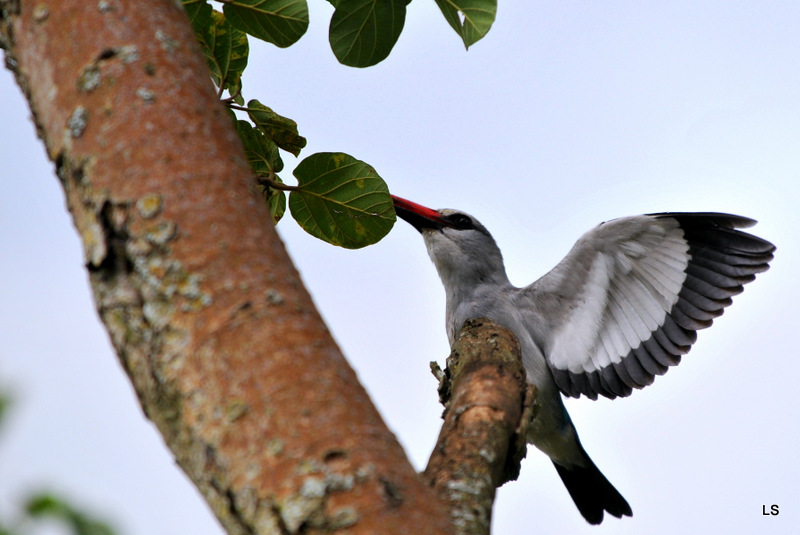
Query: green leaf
(262, 153)
(276, 200)
(225, 48)
(471, 19)
(199, 13)
(263, 156)
(231, 115)
(280, 22)
(341, 200)
(363, 32)
(280, 129)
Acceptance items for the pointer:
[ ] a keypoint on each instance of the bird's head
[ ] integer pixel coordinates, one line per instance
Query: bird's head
(462, 250)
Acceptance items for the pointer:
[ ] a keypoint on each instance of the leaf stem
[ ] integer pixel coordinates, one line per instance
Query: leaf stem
(270, 181)
(231, 97)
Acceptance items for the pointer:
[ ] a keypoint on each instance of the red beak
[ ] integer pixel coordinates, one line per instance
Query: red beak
(419, 216)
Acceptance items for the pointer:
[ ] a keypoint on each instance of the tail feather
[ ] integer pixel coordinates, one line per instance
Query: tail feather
(592, 492)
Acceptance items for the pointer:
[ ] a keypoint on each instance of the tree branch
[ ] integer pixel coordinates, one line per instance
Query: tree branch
(488, 405)
(208, 316)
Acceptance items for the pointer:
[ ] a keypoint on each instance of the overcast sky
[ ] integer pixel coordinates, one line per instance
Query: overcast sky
(565, 115)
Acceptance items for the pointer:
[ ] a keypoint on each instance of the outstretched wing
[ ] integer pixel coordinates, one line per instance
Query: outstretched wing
(629, 298)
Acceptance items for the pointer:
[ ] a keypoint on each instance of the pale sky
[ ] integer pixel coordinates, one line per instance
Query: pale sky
(565, 115)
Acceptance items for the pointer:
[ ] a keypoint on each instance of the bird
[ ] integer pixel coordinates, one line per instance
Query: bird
(621, 308)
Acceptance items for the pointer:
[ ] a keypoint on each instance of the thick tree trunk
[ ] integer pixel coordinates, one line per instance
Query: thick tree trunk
(227, 353)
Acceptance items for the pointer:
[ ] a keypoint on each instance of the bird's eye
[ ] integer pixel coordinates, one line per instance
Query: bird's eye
(461, 221)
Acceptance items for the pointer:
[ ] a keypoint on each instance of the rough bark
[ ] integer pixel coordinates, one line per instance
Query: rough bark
(209, 317)
(488, 406)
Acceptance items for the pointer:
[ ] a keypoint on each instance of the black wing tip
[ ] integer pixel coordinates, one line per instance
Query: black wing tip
(587, 384)
(720, 219)
(593, 494)
(611, 381)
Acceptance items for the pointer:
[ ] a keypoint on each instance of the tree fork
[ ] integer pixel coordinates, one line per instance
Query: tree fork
(208, 316)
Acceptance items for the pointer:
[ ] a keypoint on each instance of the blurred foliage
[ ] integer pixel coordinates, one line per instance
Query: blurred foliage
(41, 508)
(44, 509)
(5, 401)
(48, 506)
(329, 206)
